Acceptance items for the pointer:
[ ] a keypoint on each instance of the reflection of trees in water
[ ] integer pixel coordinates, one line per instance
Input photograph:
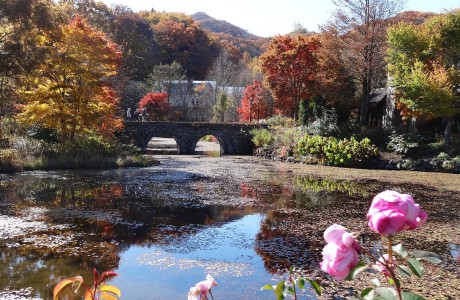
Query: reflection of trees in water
(103, 220)
(303, 191)
(313, 192)
(282, 247)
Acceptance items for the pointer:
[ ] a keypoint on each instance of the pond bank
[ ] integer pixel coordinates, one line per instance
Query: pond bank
(395, 162)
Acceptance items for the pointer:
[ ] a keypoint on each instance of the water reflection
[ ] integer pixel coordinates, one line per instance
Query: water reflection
(163, 228)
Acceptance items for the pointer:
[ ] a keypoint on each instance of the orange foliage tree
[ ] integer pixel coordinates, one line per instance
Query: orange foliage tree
(290, 65)
(155, 107)
(255, 104)
(181, 39)
(68, 92)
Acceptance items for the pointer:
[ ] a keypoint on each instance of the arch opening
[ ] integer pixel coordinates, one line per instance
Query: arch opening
(162, 145)
(209, 145)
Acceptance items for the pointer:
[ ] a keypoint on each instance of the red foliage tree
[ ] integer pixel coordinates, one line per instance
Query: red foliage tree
(290, 65)
(155, 107)
(255, 104)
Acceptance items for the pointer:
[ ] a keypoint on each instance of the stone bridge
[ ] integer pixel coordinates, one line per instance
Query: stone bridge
(233, 138)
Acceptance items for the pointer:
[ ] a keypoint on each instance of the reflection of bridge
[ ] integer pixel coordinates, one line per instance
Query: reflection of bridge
(233, 138)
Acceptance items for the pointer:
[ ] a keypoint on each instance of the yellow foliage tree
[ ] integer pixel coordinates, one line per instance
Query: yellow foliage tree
(70, 92)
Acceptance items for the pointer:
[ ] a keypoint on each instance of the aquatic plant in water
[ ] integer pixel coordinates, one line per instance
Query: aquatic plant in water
(389, 214)
(99, 290)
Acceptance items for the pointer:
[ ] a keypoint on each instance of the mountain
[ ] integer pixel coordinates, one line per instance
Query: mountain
(221, 26)
(232, 35)
(413, 17)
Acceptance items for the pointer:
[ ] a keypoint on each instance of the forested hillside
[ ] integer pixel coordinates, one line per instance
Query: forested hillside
(228, 33)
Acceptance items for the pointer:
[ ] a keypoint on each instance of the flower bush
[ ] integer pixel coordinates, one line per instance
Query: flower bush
(389, 214)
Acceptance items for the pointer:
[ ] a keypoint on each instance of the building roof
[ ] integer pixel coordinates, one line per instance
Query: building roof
(378, 96)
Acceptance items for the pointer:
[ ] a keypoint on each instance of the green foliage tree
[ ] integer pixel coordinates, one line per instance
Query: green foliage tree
(220, 108)
(163, 76)
(424, 68)
(68, 91)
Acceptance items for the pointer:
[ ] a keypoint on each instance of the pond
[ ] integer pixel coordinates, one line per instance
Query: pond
(163, 228)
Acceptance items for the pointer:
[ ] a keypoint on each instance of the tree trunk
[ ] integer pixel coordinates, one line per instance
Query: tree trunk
(364, 116)
(448, 131)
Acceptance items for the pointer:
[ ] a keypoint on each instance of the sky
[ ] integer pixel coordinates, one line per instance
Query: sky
(268, 18)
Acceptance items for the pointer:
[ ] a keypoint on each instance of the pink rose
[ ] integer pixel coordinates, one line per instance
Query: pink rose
(338, 235)
(206, 285)
(391, 212)
(194, 293)
(340, 255)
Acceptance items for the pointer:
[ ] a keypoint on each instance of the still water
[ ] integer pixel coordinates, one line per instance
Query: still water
(163, 228)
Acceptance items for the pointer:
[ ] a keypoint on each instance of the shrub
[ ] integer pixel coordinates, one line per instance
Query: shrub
(402, 143)
(331, 151)
(93, 152)
(443, 156)
(27, 147)
(262, 137)
(279, 121)
(326, 125)
(10, 161)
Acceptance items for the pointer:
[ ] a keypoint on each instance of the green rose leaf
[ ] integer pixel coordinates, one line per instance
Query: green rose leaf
(400, 250)
(279, 290)
(386, 293)
(267, 287)
(411, 296)
(361, 266)
(405, 271)
(415, 266)
(427, 256)
(301, 283)
(375, 282)
(367, 292)
(315, 286)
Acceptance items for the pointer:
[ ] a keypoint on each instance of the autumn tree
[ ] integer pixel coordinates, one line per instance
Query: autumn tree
(361, 26)
(68, 92)
(336, 87)
(290, 65)
(155, 107)
(98, 15)
(20, 24)
(135, 37)
(424, 68)
(255, 104)
(180, 38)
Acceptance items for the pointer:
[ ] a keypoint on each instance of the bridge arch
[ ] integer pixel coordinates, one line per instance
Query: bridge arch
(233, 138)
(222, 144)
